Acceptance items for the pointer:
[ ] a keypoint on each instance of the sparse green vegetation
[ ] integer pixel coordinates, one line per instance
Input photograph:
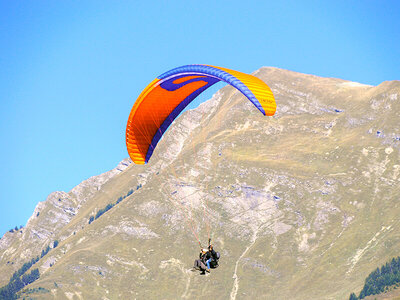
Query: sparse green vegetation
(111, 205)
(353, 296)
(380, 280)
(17, 283)
(25, 267)
(38, 290)
(20, 279)
(103, 210)
(31, 277)
(44, 252)
(91, 219)
(15, 229)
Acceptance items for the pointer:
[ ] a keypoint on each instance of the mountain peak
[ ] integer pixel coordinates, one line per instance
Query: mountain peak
(293, 202)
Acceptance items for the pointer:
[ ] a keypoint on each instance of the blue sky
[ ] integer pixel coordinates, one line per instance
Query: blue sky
(70, 71)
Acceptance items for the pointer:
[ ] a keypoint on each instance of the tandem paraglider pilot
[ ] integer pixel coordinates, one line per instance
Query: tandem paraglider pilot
(208, 258)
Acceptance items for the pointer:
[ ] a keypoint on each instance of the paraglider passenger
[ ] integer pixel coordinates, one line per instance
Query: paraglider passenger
(200, 263)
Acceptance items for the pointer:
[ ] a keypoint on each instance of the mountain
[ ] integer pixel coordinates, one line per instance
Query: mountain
(301, 205)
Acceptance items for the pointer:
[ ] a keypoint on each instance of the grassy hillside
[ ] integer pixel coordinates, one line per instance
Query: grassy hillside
(302, 205)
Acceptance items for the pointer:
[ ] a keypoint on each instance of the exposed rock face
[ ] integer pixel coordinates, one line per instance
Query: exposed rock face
(50, 220)
(302, 205)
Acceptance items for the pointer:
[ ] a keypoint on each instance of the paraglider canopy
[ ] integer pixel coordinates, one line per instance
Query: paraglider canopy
(166, 96)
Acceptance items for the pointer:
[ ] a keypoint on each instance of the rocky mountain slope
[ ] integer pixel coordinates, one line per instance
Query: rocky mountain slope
(302, 205)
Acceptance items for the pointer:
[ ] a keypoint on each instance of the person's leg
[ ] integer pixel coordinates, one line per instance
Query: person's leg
(208, 263)
(202, 266)
(196, 264)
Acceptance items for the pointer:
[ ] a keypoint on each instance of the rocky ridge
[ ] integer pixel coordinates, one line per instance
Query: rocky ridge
(301, 205)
